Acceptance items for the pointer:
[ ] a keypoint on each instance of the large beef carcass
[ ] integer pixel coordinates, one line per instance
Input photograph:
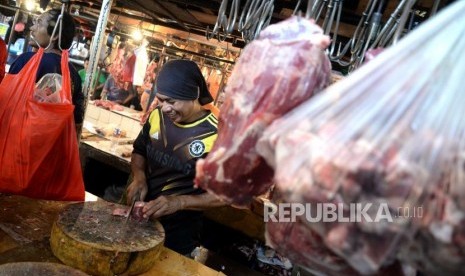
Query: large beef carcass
(285, 66)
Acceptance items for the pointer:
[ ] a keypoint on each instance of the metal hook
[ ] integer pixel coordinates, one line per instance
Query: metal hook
(296, 7)
(402, 21)
(241, 23)
(265, 18)
(58, 22)
(386, 32)
(208, 34)
(61, 25)
(255, 16)
(329, 18)
(334, 38)
(219, 20)
(234, 10)
(365, 32)
(252, 13)
(308, 13)
(224, 22)
(318, 9)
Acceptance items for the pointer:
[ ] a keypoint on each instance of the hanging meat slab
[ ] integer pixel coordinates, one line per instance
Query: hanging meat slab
(88, 236)
(284, 67)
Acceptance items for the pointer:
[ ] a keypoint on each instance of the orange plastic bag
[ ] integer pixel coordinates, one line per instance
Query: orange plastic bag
(39, 154)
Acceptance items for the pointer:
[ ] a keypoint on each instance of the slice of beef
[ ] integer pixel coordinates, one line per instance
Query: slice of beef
(285, 66)
(104, 104)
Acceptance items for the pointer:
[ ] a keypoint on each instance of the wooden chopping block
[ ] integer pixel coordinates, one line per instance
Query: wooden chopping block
(37, 268)
(89, 237)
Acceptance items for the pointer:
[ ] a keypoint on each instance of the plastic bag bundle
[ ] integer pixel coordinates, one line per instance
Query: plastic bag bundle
(385, 140)
(48, 88)
(439, 244)
(304, 246)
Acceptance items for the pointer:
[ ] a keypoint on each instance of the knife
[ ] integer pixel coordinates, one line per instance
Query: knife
(134, 199)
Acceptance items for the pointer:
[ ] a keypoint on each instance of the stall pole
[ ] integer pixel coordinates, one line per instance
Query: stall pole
(96, 46)
(12, 30)
(95, 49)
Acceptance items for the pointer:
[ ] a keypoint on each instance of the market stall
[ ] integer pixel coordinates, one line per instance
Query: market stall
(337, 112)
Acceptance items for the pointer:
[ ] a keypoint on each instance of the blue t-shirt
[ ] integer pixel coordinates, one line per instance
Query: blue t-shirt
(114, 92)
(51, 63)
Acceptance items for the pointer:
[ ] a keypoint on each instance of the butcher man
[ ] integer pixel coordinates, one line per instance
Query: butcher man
(177, 133)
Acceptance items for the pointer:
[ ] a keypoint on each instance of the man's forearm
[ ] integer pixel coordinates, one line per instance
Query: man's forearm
(138, 167)
(199, 202)
(128, 99)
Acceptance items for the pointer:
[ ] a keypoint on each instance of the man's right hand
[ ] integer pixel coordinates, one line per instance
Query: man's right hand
(136, 188)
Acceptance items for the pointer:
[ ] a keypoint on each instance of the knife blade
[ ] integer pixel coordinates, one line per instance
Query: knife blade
(133, 202)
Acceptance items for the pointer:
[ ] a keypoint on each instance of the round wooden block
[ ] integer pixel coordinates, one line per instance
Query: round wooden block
(37, 268)
(87, 236)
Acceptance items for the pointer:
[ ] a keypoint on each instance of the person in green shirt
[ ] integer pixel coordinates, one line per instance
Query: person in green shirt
(96, 89)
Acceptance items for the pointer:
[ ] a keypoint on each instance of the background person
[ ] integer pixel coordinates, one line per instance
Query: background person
(52, 172)
(113, 91)
(96, 90)
(41, 32)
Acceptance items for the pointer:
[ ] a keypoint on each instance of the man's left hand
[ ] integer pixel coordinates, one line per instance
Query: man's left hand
(162, 206)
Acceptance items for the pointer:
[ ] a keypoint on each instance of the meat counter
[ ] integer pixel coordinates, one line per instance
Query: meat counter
(105, 157)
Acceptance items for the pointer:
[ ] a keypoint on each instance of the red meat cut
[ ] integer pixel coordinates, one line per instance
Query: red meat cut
(284, 67)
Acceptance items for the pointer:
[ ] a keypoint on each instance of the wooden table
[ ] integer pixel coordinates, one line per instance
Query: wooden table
(25, 226)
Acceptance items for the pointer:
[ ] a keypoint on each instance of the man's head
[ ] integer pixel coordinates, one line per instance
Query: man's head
(86, 63)
(43, 27)
(183, 80)
(179, 111)
(182, 90)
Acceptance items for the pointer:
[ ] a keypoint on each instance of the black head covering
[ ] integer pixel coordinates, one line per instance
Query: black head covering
(182, 80)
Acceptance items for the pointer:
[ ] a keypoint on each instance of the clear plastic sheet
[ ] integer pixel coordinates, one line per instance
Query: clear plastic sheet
(305, 247)
(391, 134)
(48, 89)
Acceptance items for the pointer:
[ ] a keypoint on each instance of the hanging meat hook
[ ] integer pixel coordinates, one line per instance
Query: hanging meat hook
(386, 32)
(255, 16)
(402, 21)
(224, 22)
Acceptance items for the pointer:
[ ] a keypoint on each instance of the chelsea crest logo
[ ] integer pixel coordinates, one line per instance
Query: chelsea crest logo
(196, 148)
